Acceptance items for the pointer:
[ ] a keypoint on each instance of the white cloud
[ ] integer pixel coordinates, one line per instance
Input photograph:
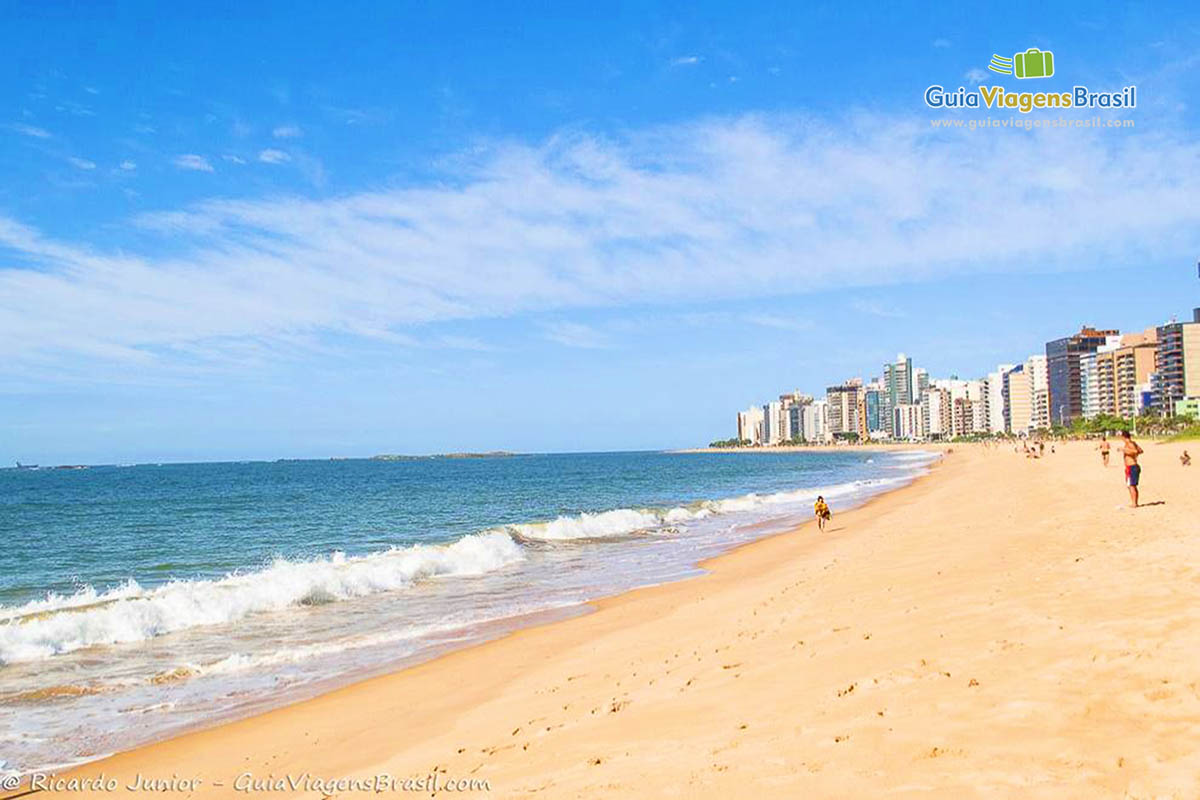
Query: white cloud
(234, 159)
(128, 165)
(575, 334)
(686, 61)
(876, 309)
(30, 130)
(287, 132)
(81, 163)
(273, 156)
(975, 75)
(754, 207)
(193, 162)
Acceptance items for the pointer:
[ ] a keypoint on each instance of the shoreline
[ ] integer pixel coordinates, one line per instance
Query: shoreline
(480, 635)
(700, 685)
(881, 447)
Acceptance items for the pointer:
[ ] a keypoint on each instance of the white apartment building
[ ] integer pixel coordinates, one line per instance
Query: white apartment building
(936, 418)
(816, 421)
(996, 411)
(772, 423)
(906, 422)
(750, 425)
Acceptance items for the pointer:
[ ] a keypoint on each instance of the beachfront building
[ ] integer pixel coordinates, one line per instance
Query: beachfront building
(936, 413)
(1176, 365)
(997, 411)
(1119, 370)
(1062, 371)
(750, 425)
(816, 421)
(898, 390)
(873, 404)
(845, 412)
(1018, 399)
(772, 423)
(906, 422)
(920, 383)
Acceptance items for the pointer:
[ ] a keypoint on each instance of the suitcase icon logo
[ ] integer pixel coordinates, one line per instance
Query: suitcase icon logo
(1033, 63)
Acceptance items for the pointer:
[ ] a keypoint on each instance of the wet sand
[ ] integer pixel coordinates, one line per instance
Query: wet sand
(1005, 627)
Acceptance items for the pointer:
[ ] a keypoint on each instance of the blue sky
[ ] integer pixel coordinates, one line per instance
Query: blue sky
(300, 230)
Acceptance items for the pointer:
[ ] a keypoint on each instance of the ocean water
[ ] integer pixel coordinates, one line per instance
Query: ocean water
(136, 602)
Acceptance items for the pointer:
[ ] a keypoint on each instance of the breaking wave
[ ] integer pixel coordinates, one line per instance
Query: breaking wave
(623, 522)
(128, 613)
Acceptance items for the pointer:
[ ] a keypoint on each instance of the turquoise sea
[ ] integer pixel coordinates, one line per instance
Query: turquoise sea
(139, 601)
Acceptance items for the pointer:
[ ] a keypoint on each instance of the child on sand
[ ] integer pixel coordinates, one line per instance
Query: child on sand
(822, 512)
(1185, 459)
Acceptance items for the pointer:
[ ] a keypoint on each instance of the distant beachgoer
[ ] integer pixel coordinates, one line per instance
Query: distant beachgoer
(822, 512)
(1104, 448)
(1185, 459)
(1041, 448)
(1133, 470)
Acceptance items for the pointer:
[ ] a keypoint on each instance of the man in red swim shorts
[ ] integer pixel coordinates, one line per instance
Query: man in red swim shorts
(1133, 470)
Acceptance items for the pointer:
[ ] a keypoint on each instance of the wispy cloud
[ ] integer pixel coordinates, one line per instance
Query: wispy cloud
(875, 309)
(81, 163)
(941, 43)
(287, 132)
(31, 131)
(232, 159)
(778, 322)
(975, 76)
(128, 165)
(191, 161)
(686, 61)
(575, 334)
(273, 156)
(728, 209)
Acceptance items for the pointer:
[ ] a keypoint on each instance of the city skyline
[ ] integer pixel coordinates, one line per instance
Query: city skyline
(1092, 373)
(222, 239)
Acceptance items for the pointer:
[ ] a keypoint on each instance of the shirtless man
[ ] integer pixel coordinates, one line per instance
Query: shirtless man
(1104, 447)
(1133, 470)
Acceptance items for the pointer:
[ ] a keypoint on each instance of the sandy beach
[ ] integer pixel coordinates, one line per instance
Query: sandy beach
(1004, 627)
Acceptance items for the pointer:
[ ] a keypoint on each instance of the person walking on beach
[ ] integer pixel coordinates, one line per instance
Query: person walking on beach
(1185, 459)
(1133, 470)
(1104, 448)
(822, 512)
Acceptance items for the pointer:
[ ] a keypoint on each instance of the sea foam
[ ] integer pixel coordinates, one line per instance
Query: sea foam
(129, 613)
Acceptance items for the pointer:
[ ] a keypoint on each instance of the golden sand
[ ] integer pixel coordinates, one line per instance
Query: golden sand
(1003, 628)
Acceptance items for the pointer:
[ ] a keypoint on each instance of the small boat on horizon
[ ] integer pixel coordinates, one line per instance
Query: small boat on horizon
(26, 466)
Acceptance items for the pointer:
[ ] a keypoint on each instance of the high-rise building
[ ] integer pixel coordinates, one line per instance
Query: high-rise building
(750, 425)
(1176, 365)
(997, 413)
(772, 423)
(898, 389)
(1018, 394)
(920, 383)
(816, 421)
(844, 409)
(907, 422)
(936, 413)
(1119, 370)
(873, 409)
(1062, 371)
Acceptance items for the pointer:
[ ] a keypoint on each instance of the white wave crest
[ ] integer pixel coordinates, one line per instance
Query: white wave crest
(623, 522)
(129, 613)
